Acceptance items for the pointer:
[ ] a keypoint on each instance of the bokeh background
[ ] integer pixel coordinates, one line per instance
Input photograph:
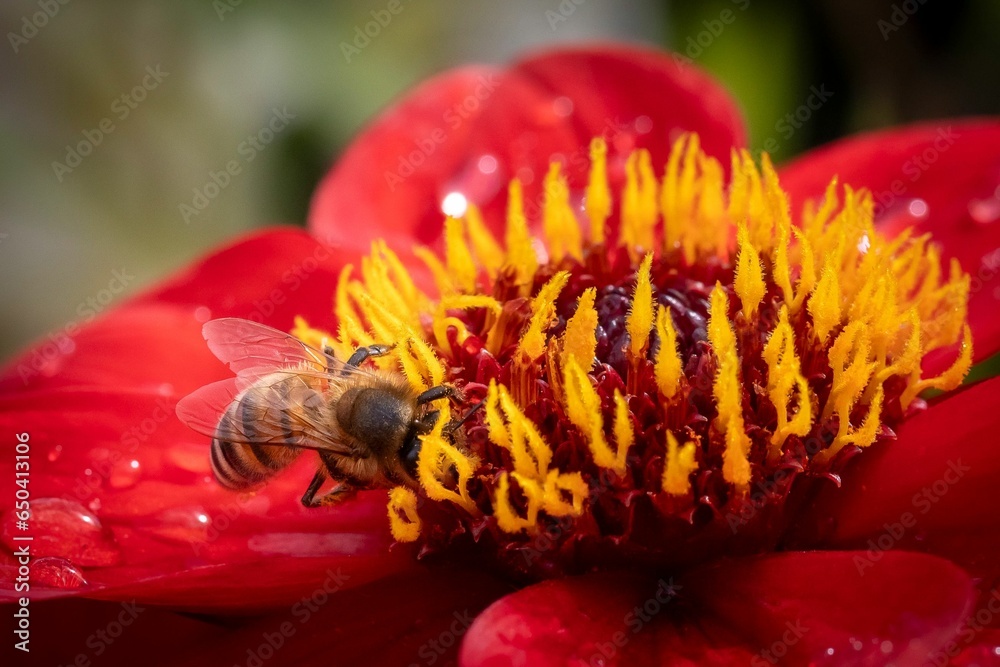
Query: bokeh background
(70, 239)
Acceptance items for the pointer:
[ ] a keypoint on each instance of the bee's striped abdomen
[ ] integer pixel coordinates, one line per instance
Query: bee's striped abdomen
(239, 457)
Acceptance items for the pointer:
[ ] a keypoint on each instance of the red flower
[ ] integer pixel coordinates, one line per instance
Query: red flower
(898, 564)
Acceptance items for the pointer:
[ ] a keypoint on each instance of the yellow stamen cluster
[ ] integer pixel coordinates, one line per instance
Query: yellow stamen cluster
(545, 489)
(829, 291)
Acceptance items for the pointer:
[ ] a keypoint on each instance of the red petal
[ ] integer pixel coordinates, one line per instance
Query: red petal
(975, 645)
(821, 608)
(154, 341)
(108, 633)
(758, 609)
(417, 618)
(129, 506)
(163, 531)
(392, 179)
(933, 489)
(268, 277)
(954, 167)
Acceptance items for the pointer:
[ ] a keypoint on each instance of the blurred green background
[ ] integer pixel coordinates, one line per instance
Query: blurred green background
(223, 67)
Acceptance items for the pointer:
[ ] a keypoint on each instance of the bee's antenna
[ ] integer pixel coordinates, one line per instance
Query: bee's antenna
(453, 426)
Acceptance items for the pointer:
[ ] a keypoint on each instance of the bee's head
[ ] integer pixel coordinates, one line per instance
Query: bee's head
(409, 453)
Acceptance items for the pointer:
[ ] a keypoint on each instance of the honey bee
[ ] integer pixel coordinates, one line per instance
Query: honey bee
(365, 423)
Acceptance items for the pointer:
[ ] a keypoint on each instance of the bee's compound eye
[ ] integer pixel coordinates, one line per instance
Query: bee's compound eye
(410, 452)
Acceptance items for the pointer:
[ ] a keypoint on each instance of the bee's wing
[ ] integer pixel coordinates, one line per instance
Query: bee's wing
(288, 414)
(246, 346)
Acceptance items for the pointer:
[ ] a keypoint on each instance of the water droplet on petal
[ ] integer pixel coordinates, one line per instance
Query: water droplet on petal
(54, 453)
(181, 524)
(562, 106)
(55, 572)
(856, 644)
(830, 651)
(985, 211)
(886, 647)
(202, 314)
(66, 529)
(643, 124)
(190, 457)
(526, 175)
(124, 474)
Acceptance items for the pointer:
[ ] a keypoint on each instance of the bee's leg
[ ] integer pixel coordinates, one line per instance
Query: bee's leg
(362, 353)
(342, 491)
(453, 426)
(435, 394)
(308, 498)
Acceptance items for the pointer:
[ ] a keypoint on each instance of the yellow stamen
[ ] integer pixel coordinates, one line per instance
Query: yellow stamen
(458, 256)
(437, 459)
(728, 392)
(316, 338)
(469, 301)
(598, 192)
(678, 466)
(437, 268)
(638, 209)
(583, 408)
(669, 367)
(950, 378)
(876, 307)
(824, 305)
(640, 315)
(512, 430)
(677, 191)
(807, 272)
(784, 377)
(543, 309)
(404, 522)
(489, 255)
(521, 257)
(562, 231)
(580, 338)
(749, 282)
